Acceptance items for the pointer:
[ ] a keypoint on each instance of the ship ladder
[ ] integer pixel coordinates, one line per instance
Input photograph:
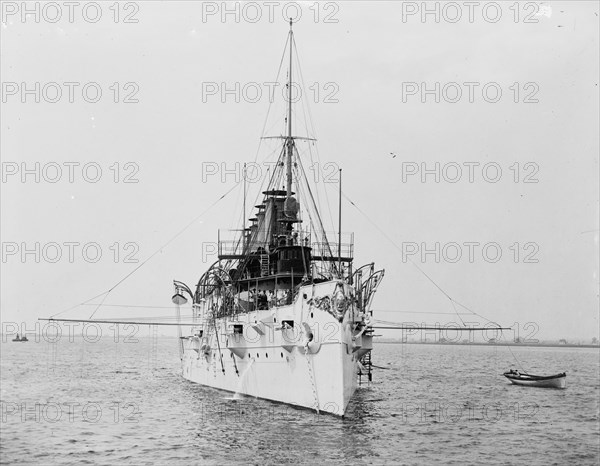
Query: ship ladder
(312, 378)
(264, 265)
(214, 364)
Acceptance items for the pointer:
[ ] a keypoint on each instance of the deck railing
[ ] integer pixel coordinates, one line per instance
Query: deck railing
(233, 245)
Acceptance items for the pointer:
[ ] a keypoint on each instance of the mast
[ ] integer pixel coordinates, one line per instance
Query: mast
(340, 229)
(244, 238)
(290, 141)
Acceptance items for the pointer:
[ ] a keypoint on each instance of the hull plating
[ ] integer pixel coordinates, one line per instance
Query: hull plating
(296, 354)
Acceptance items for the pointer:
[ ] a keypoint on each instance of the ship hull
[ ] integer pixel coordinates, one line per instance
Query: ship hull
(297, 354)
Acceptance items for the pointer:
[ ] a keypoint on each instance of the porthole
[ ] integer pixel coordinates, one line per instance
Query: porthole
(282, 355)
(312, 315)
(266, 355)
(257, 355)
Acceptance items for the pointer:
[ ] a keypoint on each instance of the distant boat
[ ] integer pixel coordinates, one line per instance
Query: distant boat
(542, 381)
(23, 338)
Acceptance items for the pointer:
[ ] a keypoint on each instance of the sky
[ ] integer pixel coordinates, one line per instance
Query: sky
(472, 134)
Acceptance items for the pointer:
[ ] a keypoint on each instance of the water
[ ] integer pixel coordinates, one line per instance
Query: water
(107, 403)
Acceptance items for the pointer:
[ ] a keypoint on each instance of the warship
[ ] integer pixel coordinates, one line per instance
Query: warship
(283, 314)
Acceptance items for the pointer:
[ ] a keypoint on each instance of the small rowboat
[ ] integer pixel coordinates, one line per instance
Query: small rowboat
(542, 381)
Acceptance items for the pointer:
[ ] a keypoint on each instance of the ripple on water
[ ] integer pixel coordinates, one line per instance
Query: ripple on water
(434, 404)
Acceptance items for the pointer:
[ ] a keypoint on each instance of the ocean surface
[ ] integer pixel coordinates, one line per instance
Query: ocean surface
(126, 403)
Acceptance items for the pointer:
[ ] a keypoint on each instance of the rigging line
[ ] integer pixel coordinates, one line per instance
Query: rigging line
(80, 304)
(396, 246)
(332, 267)
(237, 200)
(275, 175)
(175, 236)
(306, 108)
(279, 122)
(511, 352)
(257, 200)
(129, 305)
(418, 312)
(101, 303)
(313, 132)
(455, 310)
(316, 211)
(417, 267)
(472, 311)
(125, 320)
(271, 100)
(158, 250)
(318, 154)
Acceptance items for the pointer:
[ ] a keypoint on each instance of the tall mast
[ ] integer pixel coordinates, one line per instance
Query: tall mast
(340, 229)
(290, 141)
(244, 215)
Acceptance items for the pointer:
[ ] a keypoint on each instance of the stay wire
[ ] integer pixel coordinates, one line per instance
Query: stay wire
(452, 300)
(173, 238)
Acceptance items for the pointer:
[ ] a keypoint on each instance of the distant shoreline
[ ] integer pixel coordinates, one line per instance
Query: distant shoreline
(535, 345)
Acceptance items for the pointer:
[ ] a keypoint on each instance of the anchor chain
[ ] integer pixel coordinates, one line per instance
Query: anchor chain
(312, 378)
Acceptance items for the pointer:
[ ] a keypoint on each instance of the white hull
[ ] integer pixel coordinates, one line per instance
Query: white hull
(555, 382)
(275, 362)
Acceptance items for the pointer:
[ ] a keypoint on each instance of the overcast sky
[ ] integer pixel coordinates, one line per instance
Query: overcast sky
(366, 65)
